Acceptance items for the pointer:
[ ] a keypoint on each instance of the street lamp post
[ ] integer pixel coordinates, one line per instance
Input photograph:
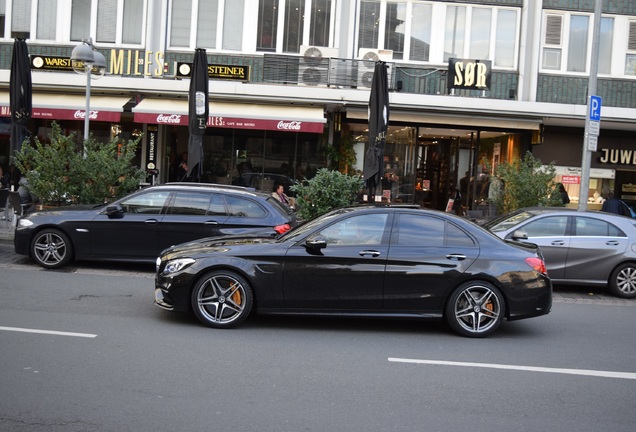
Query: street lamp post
(86, 60)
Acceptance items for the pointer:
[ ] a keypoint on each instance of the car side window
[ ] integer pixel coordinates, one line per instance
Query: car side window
(365, 229)
(457, 237)
(590, 227)
(422, 230)
(242, 207)
(190, 203)
(146, 203)
(547, 227)
(217, 206)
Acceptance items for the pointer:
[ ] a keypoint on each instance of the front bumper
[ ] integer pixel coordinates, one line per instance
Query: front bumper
(161, 301)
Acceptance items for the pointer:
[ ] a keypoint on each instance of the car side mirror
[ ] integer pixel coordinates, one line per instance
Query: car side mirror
(519, 235)
(114, 211)
(318, 242)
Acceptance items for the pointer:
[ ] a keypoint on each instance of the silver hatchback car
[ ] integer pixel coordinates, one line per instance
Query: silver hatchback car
(580, 248)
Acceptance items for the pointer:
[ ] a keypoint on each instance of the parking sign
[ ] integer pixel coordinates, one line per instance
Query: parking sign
(595, 108)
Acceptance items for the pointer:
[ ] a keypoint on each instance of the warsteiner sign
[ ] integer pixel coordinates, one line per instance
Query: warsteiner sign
(217, 71)
(469, 74)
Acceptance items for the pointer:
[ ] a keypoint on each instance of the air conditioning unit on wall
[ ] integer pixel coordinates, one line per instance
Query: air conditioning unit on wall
(313, 69)
(366, 66)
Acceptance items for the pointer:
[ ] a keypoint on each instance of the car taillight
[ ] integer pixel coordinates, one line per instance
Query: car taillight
(538, 264)
(282, 229)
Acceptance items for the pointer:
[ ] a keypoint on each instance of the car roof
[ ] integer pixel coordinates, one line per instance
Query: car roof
(210, 187)
(542, 210)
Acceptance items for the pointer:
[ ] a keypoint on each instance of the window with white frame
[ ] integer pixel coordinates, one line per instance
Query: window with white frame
(3, 16)
(578, 43)
(401, 27)
(286, 25)
(606, 38)
(46, 20)
(484, 33)
(21, 16)
(21, 19)
(114, 21)
(630, 56)
(420, 34)
(566, 42)
(209, 24)
(435, 32)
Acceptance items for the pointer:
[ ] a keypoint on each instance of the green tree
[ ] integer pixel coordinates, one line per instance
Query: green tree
(61, 173)
(527, 183)
(327, 190)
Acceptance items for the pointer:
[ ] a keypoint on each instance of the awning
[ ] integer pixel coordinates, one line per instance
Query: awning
(475, 121)
(234, 115)
(54, 106)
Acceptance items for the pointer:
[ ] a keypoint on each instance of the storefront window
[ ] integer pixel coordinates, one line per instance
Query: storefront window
(251, 158)
(423, 165)
(600, 180)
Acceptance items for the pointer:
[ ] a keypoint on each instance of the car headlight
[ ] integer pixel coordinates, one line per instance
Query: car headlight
(177, 265)
(24, 223)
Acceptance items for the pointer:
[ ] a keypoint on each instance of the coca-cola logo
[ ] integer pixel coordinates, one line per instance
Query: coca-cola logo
(79, 114)
(291, 125)
(171, 118)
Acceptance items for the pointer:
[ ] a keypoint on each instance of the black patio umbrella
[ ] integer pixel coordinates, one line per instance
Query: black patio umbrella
(20, 94)
(378, 124)
(198, 111)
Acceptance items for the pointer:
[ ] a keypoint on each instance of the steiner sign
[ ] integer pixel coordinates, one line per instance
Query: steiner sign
(469, 74)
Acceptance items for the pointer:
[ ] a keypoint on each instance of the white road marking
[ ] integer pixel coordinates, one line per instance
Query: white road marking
(50, 332)
(596, 373)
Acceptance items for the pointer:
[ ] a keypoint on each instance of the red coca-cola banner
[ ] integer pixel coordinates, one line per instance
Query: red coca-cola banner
(67, 114)
(234, 123)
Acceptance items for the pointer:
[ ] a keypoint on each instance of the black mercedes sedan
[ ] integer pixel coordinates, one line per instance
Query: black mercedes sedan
(139, 226)
(374, 261)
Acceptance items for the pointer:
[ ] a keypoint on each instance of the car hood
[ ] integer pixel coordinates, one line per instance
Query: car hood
(65, 210)
(226, 244)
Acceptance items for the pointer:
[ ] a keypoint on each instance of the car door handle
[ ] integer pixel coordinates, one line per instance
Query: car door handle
(612, 243)
(456, 257)
(369, 252)
(211, 223)
(151, 221)
(558, 243)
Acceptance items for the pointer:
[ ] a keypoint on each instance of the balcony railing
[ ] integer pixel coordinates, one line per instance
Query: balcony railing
(320, 71)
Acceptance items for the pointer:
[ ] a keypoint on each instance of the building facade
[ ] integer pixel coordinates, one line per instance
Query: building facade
(472, 84)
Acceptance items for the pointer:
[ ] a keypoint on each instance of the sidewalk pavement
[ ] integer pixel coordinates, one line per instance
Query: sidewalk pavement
(6, 234)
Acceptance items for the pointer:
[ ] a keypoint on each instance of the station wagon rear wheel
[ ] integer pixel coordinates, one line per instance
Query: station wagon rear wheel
(51, 249)
(475, 309)
(222, 299)
(622, 282)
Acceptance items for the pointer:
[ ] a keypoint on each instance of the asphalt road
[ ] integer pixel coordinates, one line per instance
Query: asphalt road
(85, 350)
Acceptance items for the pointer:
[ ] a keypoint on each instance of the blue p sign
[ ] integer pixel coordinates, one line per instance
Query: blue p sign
(595, 108)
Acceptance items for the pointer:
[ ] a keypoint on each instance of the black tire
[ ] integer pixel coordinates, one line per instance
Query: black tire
(475, 309)
(622, 282)
(51, 248)
(222, 299)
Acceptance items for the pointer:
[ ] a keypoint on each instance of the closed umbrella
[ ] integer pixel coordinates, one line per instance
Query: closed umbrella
(20, 94)
(198, 110)
(378, 124)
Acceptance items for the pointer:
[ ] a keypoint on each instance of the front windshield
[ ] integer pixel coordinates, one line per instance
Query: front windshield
(301, 230)
(507, 221)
